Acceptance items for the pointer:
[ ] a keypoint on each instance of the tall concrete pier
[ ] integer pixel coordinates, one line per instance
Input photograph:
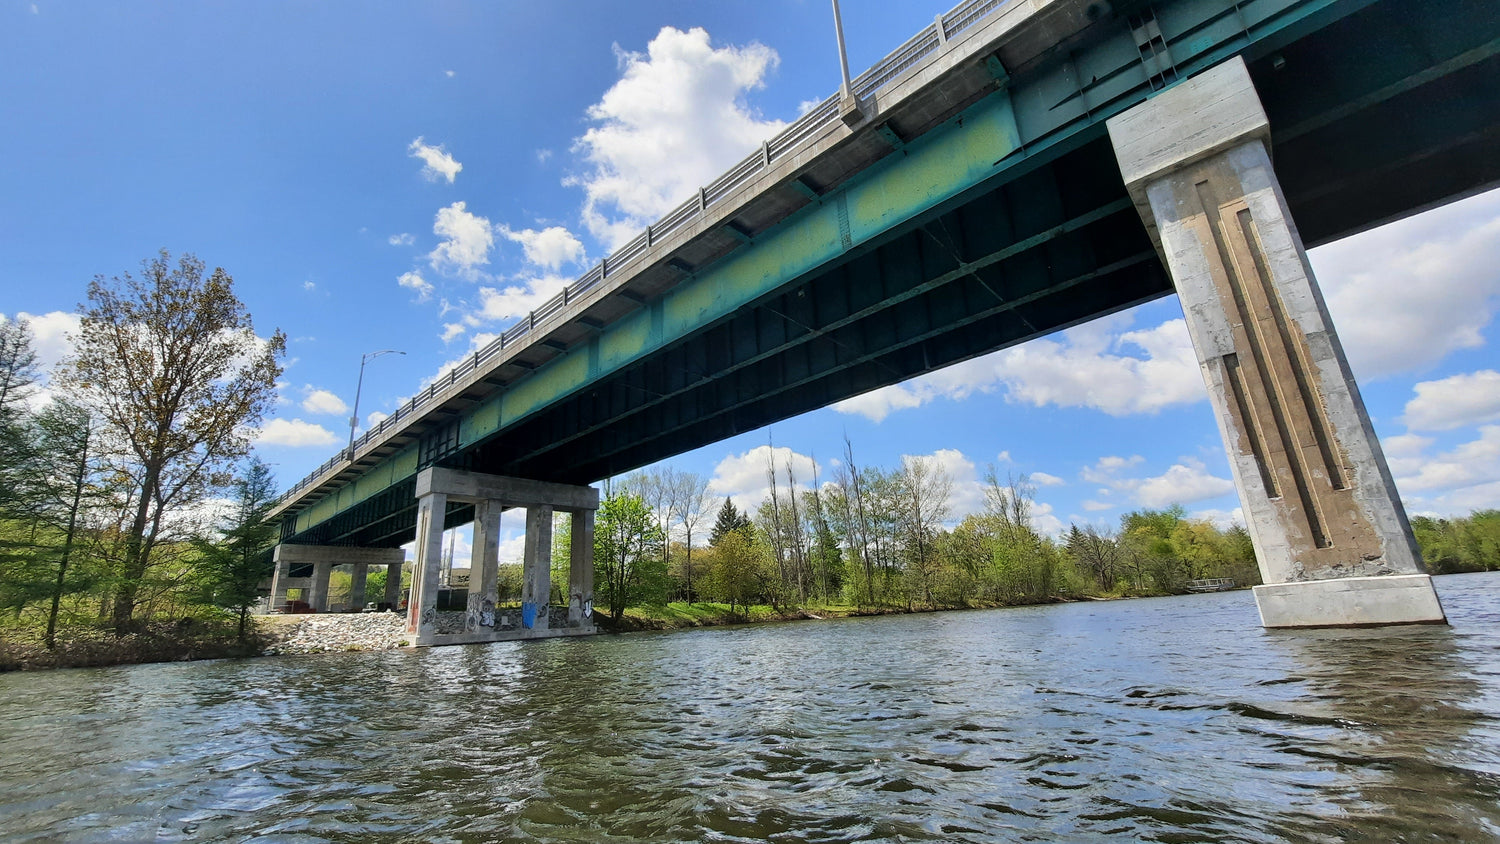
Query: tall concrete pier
(1333, 540)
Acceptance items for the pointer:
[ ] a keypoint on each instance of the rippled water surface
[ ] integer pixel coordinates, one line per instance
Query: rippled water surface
(1174, 719)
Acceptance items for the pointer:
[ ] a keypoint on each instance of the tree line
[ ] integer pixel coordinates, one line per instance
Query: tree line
(885, 537)
(107, 473)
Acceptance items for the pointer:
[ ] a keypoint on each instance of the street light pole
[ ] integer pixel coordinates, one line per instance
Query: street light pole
(838, 28)
(358, 387)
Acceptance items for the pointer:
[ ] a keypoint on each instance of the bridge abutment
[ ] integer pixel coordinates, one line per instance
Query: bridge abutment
(490, 494)
(1330, 533)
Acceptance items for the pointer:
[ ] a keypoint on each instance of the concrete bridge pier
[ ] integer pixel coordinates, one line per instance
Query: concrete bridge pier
(323, 559)
(1333, 540)
(491, 494)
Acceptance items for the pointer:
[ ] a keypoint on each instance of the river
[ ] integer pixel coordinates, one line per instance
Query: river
(1171, 719)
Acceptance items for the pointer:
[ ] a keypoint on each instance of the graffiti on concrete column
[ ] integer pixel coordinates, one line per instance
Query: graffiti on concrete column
(528, 614)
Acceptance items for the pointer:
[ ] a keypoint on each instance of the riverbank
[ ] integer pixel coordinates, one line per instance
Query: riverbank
(22, 649)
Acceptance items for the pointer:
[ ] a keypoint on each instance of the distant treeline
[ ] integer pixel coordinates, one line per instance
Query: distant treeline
(886, 537)
(1468, 543)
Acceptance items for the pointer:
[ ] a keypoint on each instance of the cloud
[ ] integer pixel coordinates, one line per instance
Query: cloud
(549, 248)
(467, 240)
(402, 239)
(543, 156)
(674, 121)
(452, 330)
(1454, 402)
(51, 336)
(1405, 295)
(1183, 483)
(1044, 479)
(518, 299)
(296, 434)
(1094, 365)
(1096, 506)
(743, 477)
(1469, 464)
(414, 281)
(436, 162)
(450, 74)
(1221, 519)
(323, 402)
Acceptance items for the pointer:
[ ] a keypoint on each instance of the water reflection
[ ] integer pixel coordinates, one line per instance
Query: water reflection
(1170, 720)
(1400, 718)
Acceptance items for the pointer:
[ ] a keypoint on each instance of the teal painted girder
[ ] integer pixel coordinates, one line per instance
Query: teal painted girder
(626, 397)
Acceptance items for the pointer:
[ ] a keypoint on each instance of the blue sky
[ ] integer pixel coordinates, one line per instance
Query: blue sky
(417, 176)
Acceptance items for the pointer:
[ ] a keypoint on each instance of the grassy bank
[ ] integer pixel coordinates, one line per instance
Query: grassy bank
(22, 648)
(682, 616)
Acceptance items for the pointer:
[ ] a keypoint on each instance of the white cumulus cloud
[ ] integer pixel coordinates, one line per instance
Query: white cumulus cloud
(414, 281)
(1454, 402)
(1185, 482)
(549, 248)
(402, 239)
(296, 433)
(742, 477)
(436, 162)
(322, 402)
(1093, 365)
(674, 121)
(1405, 295)
(520, 299)
(467, 240)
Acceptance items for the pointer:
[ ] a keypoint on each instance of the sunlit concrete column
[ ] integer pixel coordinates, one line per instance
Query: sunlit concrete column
(279, 576)
(1331, 536)
(581, 570)
(421, 612)
(357, 587)
(536, 580)
(484, 567)
(319, 599)
(393, 581)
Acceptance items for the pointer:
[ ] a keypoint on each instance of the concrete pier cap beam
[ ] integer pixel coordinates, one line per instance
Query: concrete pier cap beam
(1331, 537)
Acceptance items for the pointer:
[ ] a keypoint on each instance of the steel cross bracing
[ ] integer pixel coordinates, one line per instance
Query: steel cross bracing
(1042, 236)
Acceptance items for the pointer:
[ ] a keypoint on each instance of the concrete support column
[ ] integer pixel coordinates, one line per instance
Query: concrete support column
(1332, 538)
(278, 581)
(319, 599)
(393, 584)
(421, 612)
(484, 567)
(536, 582)
(581, 570)
(357, 587)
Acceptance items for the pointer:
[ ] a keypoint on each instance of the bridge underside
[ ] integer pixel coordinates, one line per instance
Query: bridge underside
(1360, 135)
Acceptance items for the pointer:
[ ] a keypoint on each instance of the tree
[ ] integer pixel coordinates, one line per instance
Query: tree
(690, 492)
(730, 519)
(234, 566)
(628, 568)
(924, 487)
(17, 375)
(65, 440)
(170, 365)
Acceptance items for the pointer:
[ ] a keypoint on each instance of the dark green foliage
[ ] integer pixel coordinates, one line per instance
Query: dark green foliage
(1461, 544)
(233, 567)
(628, 566)
(730, 518)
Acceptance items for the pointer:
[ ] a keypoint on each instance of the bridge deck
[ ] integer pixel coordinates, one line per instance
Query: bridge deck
(839, 259)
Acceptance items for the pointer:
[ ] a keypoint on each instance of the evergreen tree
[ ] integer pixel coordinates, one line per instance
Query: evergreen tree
(730, 518)
(233, 567)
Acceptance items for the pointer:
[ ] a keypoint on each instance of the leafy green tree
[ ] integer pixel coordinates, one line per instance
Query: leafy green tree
(170, 366)
(628, 565)
(67, 460)
(234, 566)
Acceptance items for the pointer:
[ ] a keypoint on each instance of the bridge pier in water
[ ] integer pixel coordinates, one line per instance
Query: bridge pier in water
(490, 494)
(1333, 541)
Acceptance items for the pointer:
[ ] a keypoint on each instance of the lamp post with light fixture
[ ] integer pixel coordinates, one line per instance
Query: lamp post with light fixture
(354, 418)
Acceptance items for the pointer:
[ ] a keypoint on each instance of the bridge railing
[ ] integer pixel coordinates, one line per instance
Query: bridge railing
(919, 47)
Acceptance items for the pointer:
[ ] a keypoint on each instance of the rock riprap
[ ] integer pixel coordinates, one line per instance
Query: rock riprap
(370, 631)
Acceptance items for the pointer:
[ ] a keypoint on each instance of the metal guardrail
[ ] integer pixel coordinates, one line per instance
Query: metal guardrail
(920, 46)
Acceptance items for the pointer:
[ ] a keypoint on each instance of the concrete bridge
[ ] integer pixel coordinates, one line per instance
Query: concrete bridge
(1016, 168)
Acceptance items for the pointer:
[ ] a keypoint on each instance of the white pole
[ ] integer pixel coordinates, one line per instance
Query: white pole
(838, 27)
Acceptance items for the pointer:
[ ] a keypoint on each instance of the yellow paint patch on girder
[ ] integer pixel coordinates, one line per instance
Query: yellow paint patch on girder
(561, 376)
(940, 167)
(624, 341)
